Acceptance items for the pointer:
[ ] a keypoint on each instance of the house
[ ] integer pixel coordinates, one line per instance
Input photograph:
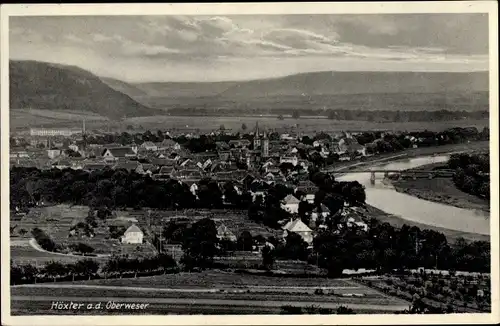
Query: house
(193, 188)
(344, 157)
(320, 212)
(53, 153)
(149, 146)
(289, 159)
(350, 145)
(297, 226)
(290, 204)
(223, 233)
(89, 167)
(128, 165)
(133, 235)
(169, 145)
(73, 147)
(114, 153)
(237, 143)
(62, 164)
(222, 146)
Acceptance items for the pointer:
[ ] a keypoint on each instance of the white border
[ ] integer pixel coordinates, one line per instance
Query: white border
(489, 7)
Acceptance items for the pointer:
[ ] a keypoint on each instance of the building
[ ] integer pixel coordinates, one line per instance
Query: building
(290, 204)
(256, 136)
(294, 160)
(223, 233)
(320, 212)
(118, 152)
(265, 145)
(53, 153)
(43, 132)
(149, 146)
(297, 226)
(133, 235)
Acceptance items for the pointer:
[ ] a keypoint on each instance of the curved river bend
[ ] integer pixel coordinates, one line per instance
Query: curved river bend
(387, 199)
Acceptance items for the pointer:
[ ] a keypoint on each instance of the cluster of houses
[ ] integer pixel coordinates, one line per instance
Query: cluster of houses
(249, 165)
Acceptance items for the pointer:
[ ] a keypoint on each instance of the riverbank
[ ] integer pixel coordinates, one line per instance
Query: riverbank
(440, 190)
(414, 152)
(451, 235)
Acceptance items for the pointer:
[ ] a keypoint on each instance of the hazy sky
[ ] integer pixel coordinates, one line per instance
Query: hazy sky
(208, 48)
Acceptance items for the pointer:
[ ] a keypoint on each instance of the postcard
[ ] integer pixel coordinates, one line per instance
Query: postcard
(271, 163)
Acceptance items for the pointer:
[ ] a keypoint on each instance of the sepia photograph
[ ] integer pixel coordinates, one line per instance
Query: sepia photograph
(225, 161)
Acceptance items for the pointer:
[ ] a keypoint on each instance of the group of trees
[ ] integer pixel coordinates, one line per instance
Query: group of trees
(44, 240)
(53, 270)
(102, 190)
(358, 114)
(472, 173)
(127, 266)
(89, 268)
(385, 248)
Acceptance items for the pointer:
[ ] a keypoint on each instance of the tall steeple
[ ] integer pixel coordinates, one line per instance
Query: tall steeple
(265, 145)
(256, 137)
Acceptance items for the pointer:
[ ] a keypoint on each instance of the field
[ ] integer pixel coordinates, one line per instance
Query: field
(56, 221)
(306, 125)
(194, 291)
(19, 120)
(441, 190)
(460, 293)
(34, 117)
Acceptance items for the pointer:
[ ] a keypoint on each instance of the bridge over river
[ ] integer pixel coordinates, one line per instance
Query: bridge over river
(395, 173)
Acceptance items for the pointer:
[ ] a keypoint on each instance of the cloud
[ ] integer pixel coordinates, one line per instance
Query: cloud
(261, 42)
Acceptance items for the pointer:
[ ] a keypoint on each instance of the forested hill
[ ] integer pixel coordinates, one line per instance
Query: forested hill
(46, 86)
(329, 83)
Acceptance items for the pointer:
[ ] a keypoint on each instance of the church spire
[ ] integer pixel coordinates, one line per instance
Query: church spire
(257, 129)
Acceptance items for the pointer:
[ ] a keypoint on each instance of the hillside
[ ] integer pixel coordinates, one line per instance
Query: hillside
(124, 87)
(328, 83)
(185, 89)
(45, 86)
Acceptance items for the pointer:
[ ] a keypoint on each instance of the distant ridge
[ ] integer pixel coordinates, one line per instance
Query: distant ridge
(47, 86)
(328, 83)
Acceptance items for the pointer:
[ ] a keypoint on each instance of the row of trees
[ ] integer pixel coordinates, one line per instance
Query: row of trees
(472, 173)
(89, 268)
(54, 270)
(342, 114)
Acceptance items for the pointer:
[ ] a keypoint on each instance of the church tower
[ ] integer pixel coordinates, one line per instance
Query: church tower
(256, 137)
(265, 145)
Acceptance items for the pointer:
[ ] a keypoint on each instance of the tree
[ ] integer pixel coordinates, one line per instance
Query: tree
(245, 241)
(16, 274)
(343, 310)
(243, 127)
(280, 117)
(268, 257)
(199, 244)
(54, 269)
(222, 127)
(86, 267)
(83, 248)
(295, 247)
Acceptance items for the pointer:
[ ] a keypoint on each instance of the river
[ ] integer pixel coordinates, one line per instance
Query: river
(387, 199)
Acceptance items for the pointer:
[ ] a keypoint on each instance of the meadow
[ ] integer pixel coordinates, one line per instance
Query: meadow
(20, 120)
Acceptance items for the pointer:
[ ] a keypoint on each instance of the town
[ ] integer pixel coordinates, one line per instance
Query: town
(257, 200)
(197, 160)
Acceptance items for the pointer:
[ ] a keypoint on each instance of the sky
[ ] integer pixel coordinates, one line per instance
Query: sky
(243, 47)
